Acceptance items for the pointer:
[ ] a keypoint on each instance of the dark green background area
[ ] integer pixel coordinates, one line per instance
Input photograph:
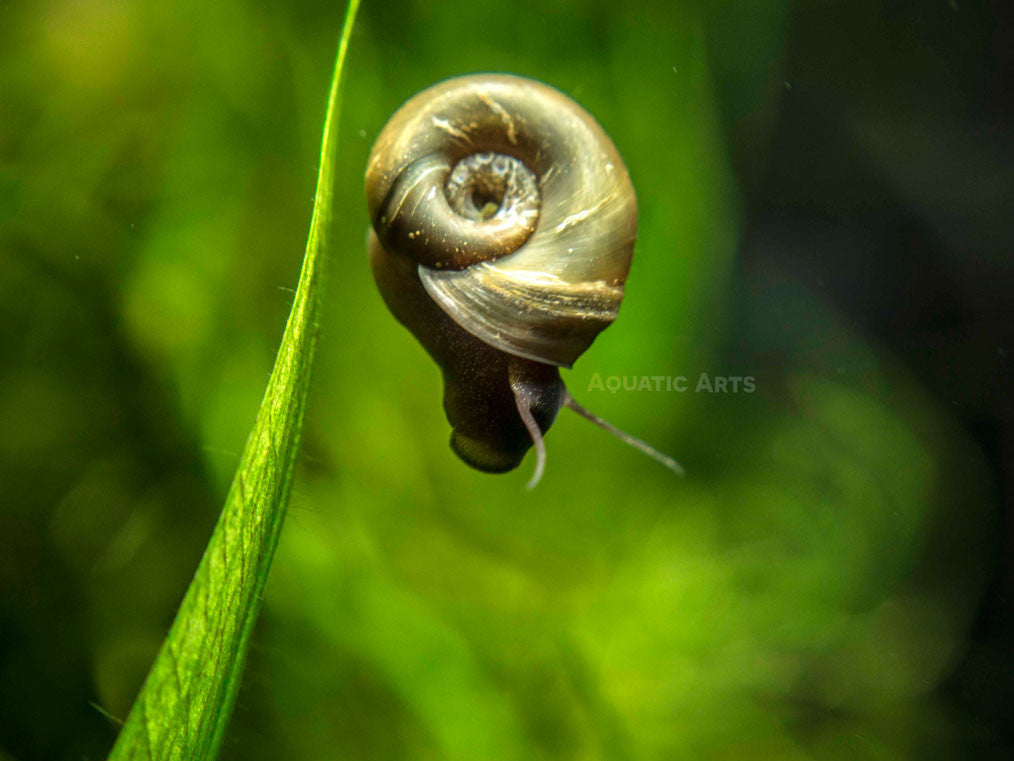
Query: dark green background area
(826, 196)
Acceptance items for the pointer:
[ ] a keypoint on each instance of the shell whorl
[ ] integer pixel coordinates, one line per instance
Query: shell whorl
(517, 208)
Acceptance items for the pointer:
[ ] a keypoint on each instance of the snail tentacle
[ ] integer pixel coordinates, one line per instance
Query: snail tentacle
(524, 398)
(640, 445)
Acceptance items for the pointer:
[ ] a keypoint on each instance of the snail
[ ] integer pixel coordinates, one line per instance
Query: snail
(503, 226)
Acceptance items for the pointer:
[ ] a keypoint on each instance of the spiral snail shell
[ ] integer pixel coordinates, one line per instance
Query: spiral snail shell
(504, 223)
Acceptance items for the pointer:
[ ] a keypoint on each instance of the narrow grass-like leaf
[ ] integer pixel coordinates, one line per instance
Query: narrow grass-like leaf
(187, 698)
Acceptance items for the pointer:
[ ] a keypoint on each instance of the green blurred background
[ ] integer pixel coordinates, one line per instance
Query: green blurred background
(826, 194)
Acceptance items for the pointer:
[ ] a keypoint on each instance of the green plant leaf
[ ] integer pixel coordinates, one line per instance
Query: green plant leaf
(187, 698)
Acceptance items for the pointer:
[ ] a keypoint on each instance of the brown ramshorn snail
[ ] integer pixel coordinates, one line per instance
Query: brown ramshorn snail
(504, 223)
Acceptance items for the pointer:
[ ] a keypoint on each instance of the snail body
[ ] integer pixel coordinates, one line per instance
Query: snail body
(504, 223)
(479, 400)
